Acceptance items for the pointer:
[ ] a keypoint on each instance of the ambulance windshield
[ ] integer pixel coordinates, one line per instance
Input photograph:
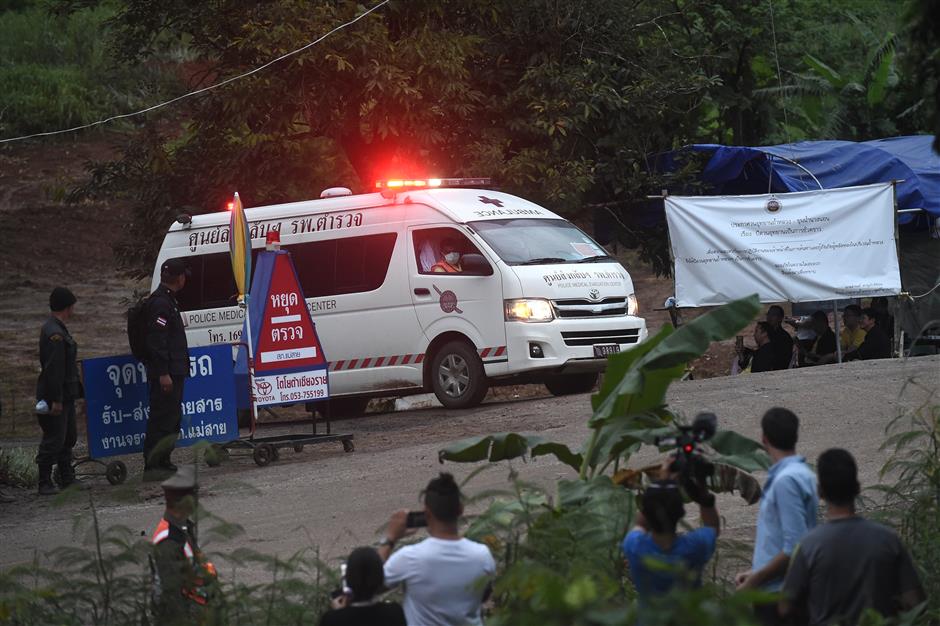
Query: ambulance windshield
(539, 242)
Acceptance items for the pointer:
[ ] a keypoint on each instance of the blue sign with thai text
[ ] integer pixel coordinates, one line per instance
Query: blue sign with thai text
(118, 403)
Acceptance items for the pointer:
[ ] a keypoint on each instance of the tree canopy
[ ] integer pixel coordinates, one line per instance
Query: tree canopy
(561, 102)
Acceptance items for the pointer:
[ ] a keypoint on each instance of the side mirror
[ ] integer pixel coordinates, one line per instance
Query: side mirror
(475, 265)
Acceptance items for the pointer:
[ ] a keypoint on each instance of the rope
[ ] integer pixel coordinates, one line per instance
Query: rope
(198, 91)
(932, 289)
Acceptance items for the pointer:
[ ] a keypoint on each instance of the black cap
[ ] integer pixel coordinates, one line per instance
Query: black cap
(174, 267)
(61, 298)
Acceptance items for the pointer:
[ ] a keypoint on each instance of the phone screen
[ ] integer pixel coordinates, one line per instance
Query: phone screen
(416, 519)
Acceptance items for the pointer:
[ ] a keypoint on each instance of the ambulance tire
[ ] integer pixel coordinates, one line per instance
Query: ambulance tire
(457, 376)
(568, 384)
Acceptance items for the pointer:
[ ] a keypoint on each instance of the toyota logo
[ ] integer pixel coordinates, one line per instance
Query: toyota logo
(263, 387)
(594, 295)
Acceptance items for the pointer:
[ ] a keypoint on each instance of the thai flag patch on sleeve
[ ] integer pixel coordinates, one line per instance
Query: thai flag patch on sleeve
(161, 321)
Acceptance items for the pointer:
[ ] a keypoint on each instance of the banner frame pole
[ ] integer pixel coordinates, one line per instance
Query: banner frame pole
(251, 371)
(835, 317)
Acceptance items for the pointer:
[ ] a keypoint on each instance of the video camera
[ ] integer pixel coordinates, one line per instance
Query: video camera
(689, 462)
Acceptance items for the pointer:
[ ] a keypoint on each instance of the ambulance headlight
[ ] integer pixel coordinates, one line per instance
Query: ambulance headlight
(633, 307)
(529, 310)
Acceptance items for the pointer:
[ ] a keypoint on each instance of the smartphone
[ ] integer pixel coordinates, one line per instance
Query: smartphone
(416, 519)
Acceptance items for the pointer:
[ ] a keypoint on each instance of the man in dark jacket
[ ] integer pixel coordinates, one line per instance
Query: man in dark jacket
(56, 391)
(761, 359)
(877, 344)
(780, 340)
(167, 368)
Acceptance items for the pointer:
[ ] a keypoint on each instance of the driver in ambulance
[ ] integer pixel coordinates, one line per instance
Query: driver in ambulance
(451, 261)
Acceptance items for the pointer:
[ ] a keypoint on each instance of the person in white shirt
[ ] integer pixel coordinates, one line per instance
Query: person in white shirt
(446, 577)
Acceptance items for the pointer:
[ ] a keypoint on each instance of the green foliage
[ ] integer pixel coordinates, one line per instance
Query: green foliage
(912, 502)
(561, 552)
(107, 581)
(18, 467)
(56, 70)
(923, 60)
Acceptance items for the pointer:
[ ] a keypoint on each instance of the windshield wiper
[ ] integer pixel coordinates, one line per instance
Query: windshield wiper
(544, 259)
(595, 259)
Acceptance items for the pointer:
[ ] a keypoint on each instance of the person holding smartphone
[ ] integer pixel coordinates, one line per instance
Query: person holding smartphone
(356, 604)
(446, 575)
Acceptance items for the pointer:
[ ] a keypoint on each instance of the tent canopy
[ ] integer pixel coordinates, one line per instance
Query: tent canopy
(742, 170)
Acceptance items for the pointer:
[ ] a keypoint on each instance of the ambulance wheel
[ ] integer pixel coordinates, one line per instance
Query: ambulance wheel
(564, 385)
(115, 472)
(262, 455)
(457, 376)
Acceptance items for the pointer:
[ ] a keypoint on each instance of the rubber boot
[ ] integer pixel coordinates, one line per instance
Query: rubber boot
(46, 486)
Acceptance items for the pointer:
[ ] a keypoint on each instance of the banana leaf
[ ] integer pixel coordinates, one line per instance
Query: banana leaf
(639, 381)
(504, 446)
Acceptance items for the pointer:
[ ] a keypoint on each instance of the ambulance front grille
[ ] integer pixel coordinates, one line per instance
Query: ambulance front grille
(592, 337)
(587, 308)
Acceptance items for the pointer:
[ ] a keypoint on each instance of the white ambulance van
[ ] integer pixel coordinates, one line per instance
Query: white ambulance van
(533, 298)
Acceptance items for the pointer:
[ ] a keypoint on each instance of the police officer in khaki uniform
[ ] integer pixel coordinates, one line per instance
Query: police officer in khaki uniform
(184, 581)
(56, 391)
(167, 368)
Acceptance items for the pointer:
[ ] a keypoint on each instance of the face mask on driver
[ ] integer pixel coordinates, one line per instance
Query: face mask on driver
(452, 257)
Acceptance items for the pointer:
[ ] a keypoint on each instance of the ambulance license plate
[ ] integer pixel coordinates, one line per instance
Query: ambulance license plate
(606, 349)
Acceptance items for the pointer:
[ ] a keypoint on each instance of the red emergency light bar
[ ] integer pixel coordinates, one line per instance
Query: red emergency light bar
(391, 186)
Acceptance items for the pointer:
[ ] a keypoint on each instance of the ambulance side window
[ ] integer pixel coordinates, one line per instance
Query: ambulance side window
(325, 268)
(429, 250)
(347, 265)
(211, 284)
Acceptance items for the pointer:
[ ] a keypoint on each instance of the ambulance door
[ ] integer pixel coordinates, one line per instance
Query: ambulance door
(464, 297)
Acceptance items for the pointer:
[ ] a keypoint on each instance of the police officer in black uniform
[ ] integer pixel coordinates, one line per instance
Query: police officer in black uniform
(167, 368)
(56, 391)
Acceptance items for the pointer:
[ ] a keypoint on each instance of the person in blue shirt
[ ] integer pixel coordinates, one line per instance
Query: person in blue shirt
(660, 558)
(788, 509)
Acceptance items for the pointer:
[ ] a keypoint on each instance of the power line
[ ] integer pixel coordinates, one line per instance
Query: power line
(202, 90)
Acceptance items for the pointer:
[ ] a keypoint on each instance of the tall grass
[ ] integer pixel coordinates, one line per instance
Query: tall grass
(18, 467)
(107, 581)
(56, 71)
(912, 500)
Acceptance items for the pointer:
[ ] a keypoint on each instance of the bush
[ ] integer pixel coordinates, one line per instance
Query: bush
(108, 580)
(912, 502)
(18, 467)
(56, 71)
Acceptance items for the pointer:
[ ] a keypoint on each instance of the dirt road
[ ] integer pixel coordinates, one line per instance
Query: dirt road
(337, 501)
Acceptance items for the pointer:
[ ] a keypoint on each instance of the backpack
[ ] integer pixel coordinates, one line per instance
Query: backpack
(137, 329)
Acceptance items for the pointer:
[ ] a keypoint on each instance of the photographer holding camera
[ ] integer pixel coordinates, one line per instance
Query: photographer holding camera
(445, 576)
(654, 542)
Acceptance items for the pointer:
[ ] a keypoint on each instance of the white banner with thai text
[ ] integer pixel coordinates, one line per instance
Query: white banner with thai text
(810, 245)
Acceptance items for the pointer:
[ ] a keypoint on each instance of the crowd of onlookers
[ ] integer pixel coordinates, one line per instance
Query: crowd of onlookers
(820, 574)
(825, 574)
(865, 334)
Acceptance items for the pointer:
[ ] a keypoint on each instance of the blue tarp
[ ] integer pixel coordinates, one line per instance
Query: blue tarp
(740, 170)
